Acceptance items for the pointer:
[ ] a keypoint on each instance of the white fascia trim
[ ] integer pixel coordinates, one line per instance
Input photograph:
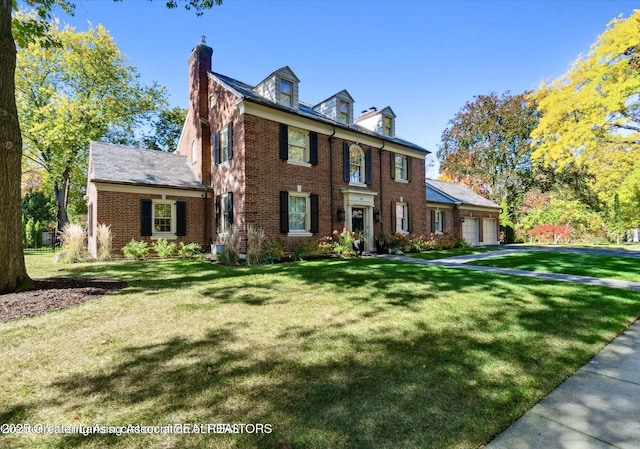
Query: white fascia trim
(184, 126)
(124, 188)
(465, 207)
(289, 119)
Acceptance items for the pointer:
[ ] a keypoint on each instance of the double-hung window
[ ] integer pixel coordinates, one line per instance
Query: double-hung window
(387, 125)
(297, 145)
(439, 221)
(401, 218)
(223, 144)
(356, 165)
(401, 168)
(163, 218)
(343, 112)
(299, 213)
(286, 93)
(224, 212)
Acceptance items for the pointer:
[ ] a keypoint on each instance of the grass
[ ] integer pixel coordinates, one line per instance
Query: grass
(360, 353)
(443, 254)
(608, 267)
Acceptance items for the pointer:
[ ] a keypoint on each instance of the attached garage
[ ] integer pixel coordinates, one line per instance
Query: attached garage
(470, 230)
(489, 231)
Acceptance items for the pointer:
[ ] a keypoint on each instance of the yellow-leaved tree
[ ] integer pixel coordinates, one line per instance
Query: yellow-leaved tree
(590, 116)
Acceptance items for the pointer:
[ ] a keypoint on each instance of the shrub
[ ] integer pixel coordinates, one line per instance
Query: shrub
(273, 250)
(189, 250)
(104, 240)
(164, 249)
(28, 233)
(136, 250)
(343, 242)
(37, 235)
(550, 233)
(72, 237)
(398, 241)
(255, 237)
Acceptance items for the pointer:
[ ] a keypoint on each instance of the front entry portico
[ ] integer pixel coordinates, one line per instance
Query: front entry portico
(358, 204)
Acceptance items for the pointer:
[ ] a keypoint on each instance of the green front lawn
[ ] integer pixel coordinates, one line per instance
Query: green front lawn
(608, 267)
(359, 353)
(443, 254)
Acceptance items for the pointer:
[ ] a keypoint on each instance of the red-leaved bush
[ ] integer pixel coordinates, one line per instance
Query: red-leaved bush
(551, 233)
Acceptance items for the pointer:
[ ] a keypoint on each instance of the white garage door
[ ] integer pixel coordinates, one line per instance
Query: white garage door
(489, 231)
(470, 230)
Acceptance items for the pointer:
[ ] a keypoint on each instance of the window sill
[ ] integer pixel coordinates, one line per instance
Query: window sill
(299, 234)
(299, 163)
(403, 181)
(357, 184)
(163, 236)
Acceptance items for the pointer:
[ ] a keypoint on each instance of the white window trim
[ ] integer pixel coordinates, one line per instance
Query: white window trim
(224, 150)
(438, 214)
(363, 168)
(404, 215)
(171, 235)
(194, 152)
(404, 180)
(307, 149)
(307, 219)
(280, 95)
(223, 200)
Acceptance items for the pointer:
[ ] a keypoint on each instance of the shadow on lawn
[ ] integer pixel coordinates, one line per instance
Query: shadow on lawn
(434, 385)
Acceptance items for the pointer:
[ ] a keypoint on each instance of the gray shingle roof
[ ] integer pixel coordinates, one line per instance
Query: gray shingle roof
(446, 192)
(127, 165)
(244, 90)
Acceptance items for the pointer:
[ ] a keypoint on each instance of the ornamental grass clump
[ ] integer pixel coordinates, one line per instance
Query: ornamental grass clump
(104, 239)
(255, 237)
(72, 237)
(231, 253)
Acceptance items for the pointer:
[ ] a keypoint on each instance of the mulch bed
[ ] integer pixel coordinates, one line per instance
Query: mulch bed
(55, 294)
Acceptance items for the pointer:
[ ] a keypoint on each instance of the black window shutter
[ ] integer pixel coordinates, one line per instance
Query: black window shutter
(284, 141)
(367, 166)
(218, 208)
(433, 220)
(313, 148)
(216, 148)
(229, 141)
(392, 163)
(442, 220)
(409, 218)
(284, 212)
(347, 176)
(393, 217)
(408, 168)
(229, 217)
(315, 222)
(181, 218)
(146, 208)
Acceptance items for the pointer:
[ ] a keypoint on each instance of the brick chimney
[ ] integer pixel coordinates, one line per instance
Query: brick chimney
(199, 66)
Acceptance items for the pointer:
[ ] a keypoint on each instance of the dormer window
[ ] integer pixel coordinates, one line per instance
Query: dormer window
(286, 92)
(344, 112)
(387, 125)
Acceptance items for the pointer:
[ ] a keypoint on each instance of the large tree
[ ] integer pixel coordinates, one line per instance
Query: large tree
(487, 146)
(590, 116)
(13, 274)
(71, 94)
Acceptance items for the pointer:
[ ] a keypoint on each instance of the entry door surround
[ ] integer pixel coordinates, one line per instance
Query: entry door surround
(360, 199)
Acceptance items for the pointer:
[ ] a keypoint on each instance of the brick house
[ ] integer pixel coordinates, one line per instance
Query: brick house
(459, 211)
(259, 155)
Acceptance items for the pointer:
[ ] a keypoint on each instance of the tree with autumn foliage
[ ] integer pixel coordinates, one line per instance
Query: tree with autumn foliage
(13, 273)
(590, 117)
(487, 147)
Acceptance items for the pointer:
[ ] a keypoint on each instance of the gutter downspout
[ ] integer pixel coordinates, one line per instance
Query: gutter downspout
(331, 211)
(381, 193)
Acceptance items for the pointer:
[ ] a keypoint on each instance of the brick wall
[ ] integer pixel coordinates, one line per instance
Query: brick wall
(122, 212)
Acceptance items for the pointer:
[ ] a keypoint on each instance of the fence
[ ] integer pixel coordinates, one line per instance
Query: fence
(47, 241)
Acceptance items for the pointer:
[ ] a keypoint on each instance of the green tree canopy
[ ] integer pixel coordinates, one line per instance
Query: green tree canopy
(74, 92)
(487, 146)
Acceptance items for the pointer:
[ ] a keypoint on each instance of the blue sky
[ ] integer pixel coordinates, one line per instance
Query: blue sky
(425, 59)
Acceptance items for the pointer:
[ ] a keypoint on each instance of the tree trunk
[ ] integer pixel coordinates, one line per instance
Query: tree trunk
(13, 273)
(61, 194)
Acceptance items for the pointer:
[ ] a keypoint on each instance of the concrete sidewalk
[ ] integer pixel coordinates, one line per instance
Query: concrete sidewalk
(596, 408)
